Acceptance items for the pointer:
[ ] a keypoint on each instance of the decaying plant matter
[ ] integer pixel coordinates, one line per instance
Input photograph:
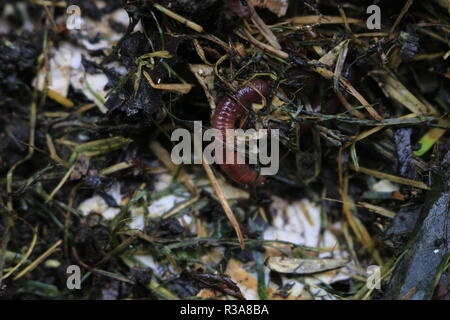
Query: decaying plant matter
(87, 178)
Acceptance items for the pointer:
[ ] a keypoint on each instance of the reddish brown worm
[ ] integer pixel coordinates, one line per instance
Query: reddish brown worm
(227, 112)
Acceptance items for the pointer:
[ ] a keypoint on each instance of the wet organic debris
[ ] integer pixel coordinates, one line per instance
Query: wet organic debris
(427, 255)
(86, 175)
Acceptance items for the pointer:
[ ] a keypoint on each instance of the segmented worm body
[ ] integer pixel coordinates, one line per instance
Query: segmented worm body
(225, 116)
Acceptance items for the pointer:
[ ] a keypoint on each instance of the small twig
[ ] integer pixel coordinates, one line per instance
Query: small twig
(223, 201)
(24, 258)
(344, 17)
(41, 258)
(390, 177)
(216, 71)
(324, 20)
(180, 207)
(263, 28)
(265, 47)
(61, 183)
(55, 96)
(349, 87)
(177, 17)
(182, 88)
(400, 17)
(377, 209)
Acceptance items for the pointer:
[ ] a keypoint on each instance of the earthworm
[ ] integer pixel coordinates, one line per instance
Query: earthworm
(227, 112)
